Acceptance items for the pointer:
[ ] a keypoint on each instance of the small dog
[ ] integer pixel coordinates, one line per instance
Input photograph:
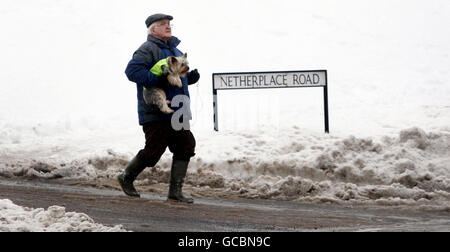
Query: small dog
(177, 68)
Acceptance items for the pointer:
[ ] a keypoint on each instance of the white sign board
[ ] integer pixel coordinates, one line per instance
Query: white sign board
(269, 80)
(255, 80)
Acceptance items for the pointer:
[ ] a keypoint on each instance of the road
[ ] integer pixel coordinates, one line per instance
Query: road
(153, 213)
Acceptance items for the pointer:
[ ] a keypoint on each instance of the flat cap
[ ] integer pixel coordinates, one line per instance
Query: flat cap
(156, 17)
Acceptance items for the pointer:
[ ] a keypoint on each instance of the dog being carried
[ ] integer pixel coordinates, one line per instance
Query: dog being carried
(174, 68)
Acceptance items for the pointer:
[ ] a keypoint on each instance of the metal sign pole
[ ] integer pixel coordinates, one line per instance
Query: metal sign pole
(215, 110)
(325, 107)
(325, 104)
(216, 113)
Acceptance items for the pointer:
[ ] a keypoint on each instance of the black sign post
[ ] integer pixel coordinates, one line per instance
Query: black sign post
(260, 80)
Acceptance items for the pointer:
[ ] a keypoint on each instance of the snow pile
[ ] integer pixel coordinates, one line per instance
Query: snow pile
(412, 168)
(14, 218)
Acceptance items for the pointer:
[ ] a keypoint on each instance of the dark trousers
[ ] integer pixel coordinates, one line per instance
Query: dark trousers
(159, 136)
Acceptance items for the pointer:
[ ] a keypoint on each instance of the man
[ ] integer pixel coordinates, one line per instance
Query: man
(159, 133)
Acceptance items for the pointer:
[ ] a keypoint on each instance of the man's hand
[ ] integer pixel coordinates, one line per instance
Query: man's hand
(193, 76)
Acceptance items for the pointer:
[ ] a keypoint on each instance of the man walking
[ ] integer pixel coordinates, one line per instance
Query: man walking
(159, 133)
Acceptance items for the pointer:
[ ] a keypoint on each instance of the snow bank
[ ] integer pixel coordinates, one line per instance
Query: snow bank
(14, 218)
(412, 168)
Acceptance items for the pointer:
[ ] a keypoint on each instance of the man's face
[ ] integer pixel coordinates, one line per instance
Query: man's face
(163, 29)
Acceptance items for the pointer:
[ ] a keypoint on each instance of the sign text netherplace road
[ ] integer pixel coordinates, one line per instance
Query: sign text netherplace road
(269, 80)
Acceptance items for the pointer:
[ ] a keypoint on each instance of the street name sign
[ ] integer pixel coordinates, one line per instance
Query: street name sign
(259, 80)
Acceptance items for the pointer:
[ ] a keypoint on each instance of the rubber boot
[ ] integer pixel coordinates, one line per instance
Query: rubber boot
(127, 178)
(177, 175)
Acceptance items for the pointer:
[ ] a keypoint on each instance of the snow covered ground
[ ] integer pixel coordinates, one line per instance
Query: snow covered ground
(68, 111)
(14, 218)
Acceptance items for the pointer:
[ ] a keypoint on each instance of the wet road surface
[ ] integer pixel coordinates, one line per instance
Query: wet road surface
(153, 213)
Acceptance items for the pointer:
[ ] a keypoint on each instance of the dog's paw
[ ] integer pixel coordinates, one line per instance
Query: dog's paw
(178, 83)
(167, 111)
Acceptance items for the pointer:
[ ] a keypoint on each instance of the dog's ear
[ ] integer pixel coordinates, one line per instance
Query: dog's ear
(185, 55)
(173, 60)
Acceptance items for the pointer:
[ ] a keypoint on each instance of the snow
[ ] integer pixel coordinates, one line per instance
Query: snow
(68, 111)
(14, 218)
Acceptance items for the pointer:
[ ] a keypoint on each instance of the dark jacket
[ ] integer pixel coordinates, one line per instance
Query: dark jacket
(138, 71)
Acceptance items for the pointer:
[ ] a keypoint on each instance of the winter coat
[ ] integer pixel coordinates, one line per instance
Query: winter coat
(138, 71)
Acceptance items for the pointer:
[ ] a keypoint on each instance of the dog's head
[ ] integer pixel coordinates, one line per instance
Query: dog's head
(179, 65)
